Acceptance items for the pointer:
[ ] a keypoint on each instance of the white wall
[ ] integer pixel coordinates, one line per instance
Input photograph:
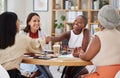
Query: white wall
(24, 7)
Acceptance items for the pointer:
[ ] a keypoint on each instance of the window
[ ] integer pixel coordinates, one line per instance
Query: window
(3, 5)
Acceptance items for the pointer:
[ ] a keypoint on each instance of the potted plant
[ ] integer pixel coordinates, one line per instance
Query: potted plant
(59, 25)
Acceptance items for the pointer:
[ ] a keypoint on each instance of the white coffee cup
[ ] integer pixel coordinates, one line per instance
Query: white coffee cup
(56, 49)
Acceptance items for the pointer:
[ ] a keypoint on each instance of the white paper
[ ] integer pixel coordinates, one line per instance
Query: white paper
(66, 56)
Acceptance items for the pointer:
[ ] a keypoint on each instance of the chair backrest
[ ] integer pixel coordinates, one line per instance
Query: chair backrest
(117, 75)
(3, 73)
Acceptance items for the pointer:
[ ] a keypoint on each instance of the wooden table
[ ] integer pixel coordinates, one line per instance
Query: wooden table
(57, 61)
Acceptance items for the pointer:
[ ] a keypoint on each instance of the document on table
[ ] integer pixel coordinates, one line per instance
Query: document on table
(66, 56)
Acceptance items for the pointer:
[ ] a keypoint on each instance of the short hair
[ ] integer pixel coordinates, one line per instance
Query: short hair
(85, 19)
(108, 17)
(8, 29)
(27, 28)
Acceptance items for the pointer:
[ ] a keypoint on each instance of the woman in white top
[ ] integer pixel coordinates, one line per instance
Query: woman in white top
(78, 37)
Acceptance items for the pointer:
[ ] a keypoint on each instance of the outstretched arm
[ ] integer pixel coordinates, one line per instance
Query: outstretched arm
(61, 37)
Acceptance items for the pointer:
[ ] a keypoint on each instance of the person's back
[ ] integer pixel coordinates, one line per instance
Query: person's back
(13, 45)
(104, 47)
(108, 55)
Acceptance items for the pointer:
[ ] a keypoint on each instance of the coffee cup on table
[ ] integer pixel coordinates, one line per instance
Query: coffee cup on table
(56, 49)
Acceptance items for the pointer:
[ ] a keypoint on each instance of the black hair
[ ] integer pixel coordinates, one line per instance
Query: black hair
(85, 19)
(8, 29)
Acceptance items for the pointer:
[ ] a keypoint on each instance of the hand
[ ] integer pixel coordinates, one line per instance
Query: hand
(81, 52)
(30, 54)
(48, 39)
(76, 51)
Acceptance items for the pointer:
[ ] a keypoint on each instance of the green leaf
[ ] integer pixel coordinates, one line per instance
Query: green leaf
(62, 17)
(59, 25)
